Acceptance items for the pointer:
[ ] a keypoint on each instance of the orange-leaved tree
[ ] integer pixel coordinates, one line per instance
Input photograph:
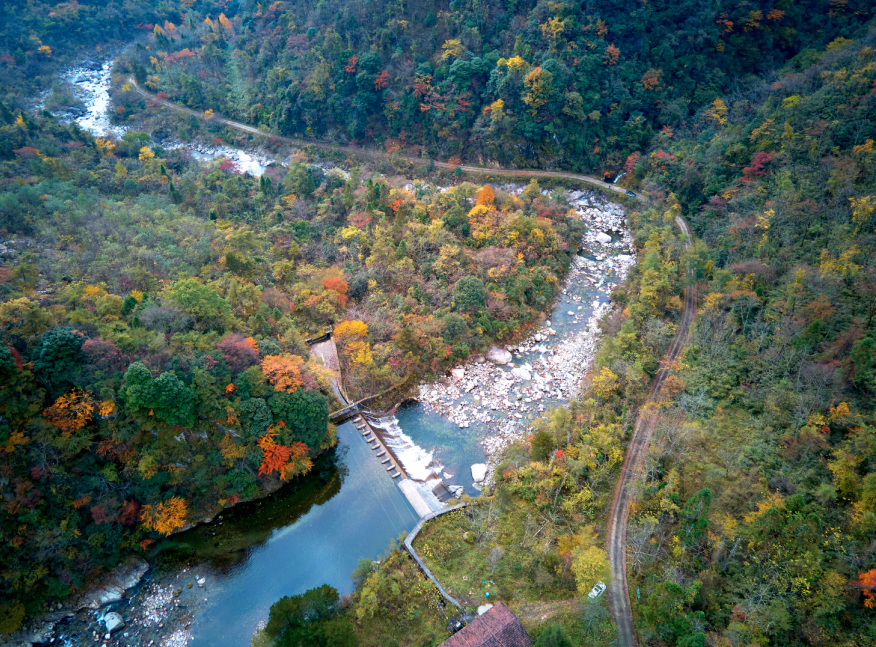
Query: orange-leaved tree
(289, 460)
(283, 372)
(335, 283)
(486, 196)
(867, 583)
(71, 411)
(612, 54)
(166, 517)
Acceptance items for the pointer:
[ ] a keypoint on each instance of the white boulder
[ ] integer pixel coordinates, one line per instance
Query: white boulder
(498, 355)
(113, 622)
(478, 472)
(521, 373)
(457, 373)
(603, 238)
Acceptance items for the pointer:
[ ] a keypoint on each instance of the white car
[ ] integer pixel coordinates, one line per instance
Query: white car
(597, 590)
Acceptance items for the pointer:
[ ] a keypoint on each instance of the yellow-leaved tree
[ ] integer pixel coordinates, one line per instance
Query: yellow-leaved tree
(485, 223)
(352, 336)
(604, 383)
(349, 331)
(452, 49)
(590, 565)
(166, 517)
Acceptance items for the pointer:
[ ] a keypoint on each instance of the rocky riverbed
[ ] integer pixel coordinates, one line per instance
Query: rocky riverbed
(503, 391)
(91, 81)
(124, 611)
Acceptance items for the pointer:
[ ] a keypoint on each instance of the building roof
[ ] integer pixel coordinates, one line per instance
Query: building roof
(498, 627)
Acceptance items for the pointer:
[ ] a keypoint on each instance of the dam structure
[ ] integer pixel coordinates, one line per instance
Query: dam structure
(425, 490)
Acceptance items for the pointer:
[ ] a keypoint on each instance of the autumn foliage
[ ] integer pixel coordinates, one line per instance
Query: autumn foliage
(289, 460)
(350, 330)
(283, 372)
(631, 162)
(71, 411)
(612, 55)
(176, 56)
(166, 517)
(866, 582)
(335, 283)
(486, 196)
(758, 164)
(651, 79)
(239, 352)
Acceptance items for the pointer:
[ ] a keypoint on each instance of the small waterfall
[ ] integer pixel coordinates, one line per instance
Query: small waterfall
(426, 474)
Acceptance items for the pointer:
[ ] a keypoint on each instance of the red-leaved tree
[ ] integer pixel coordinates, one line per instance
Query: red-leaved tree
(758, 165)
(239, 352)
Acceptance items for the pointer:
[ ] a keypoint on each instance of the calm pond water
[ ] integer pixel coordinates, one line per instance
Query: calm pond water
(315, 534)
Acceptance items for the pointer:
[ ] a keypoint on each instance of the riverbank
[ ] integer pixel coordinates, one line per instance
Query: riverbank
(496, 397)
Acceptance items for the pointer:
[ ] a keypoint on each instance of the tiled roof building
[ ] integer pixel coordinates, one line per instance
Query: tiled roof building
(498, 627)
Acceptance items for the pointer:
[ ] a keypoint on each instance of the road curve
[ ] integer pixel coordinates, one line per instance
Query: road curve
(356, 150)
(624, 494)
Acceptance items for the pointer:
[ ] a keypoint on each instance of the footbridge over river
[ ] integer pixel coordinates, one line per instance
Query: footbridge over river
(422, 496)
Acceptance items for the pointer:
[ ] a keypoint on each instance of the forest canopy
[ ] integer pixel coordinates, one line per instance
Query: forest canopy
(155, 311)
(527, 83)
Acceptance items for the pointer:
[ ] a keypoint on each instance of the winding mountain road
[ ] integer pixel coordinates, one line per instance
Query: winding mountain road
(618, 591)
(356, 150)
(625, 493)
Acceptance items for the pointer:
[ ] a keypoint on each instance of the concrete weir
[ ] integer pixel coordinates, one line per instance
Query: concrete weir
(419, 494)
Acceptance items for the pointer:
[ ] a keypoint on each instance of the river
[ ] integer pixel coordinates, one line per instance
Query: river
(315, 531)
(311, 535)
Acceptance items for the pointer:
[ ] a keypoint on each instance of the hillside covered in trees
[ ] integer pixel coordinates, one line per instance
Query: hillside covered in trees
(153, 314)
(37, 39)
(756, 518)
(531, 83)
(153, 311)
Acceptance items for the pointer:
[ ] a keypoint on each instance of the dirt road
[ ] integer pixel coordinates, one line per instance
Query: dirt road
(625, 492)
(356, 150)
